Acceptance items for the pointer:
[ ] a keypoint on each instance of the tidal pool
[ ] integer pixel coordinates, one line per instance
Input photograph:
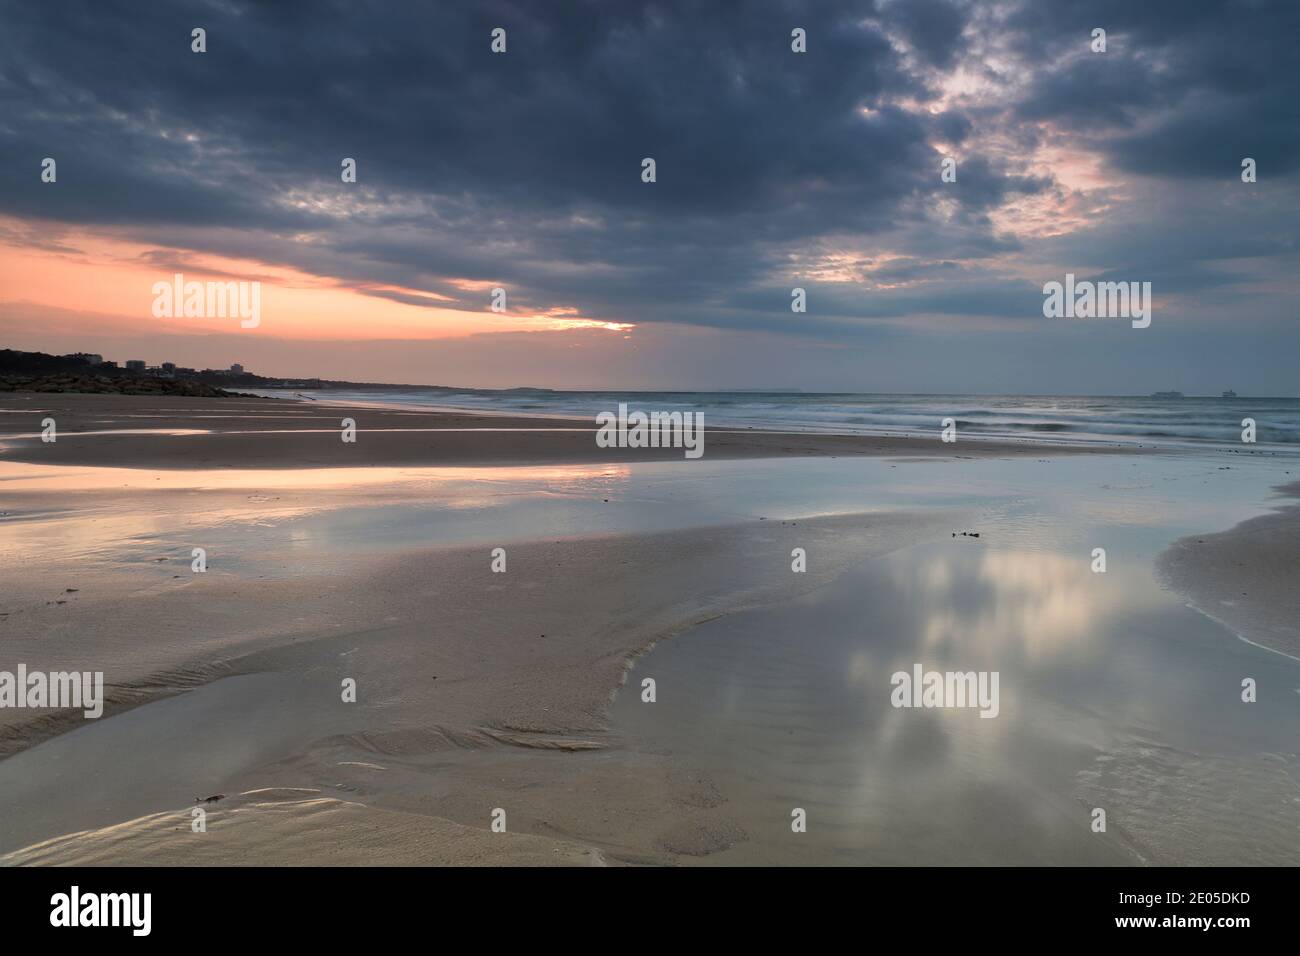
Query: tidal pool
(1113, 695)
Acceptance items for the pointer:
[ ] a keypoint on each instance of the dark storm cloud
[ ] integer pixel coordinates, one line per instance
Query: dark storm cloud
(1095, 93)
(932, 27)
(562, 120)
(524, 169)
(1211, 81)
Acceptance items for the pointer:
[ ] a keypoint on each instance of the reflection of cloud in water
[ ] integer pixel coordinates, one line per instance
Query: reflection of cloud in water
(1110, 695)
(993, 605)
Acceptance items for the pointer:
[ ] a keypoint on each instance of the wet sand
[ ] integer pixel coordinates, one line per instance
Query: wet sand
(1112, 696)
(475, 691)
(1248, 577)
(282, 433)
(479, 692)
(288, 827)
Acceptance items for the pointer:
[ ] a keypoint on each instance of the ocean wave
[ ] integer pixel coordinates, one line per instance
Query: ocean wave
(1062, 418)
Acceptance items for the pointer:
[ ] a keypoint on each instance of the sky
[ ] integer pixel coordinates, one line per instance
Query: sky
(774, 169)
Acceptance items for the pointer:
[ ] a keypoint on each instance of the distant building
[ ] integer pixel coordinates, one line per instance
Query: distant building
(108, 365)
(236, 370)
(135, 365)
(90, 357)
(169, 367)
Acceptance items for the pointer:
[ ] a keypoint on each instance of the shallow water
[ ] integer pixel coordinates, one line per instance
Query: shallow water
(147, 759)
(1112, 694)
(280, 521)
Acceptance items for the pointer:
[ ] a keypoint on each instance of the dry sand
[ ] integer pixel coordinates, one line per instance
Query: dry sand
(1247, 578)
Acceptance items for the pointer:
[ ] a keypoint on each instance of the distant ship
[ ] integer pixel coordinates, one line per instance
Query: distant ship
(1229, 394)
(1166, 394)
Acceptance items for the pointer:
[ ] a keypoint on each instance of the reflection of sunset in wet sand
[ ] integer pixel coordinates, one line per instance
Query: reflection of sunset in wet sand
(18, 476)
(61, 513)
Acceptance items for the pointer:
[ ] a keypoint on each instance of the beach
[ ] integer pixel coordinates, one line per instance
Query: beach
(1246, 576)
(149, 432)
(659, 436)
(480, 690)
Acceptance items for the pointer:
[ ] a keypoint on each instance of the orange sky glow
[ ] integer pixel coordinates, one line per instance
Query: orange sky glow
(94, 272)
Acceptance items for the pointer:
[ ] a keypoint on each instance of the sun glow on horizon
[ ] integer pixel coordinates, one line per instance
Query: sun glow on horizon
(109, 276)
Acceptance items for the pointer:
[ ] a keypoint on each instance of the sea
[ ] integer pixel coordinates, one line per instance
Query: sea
(1052, 418)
